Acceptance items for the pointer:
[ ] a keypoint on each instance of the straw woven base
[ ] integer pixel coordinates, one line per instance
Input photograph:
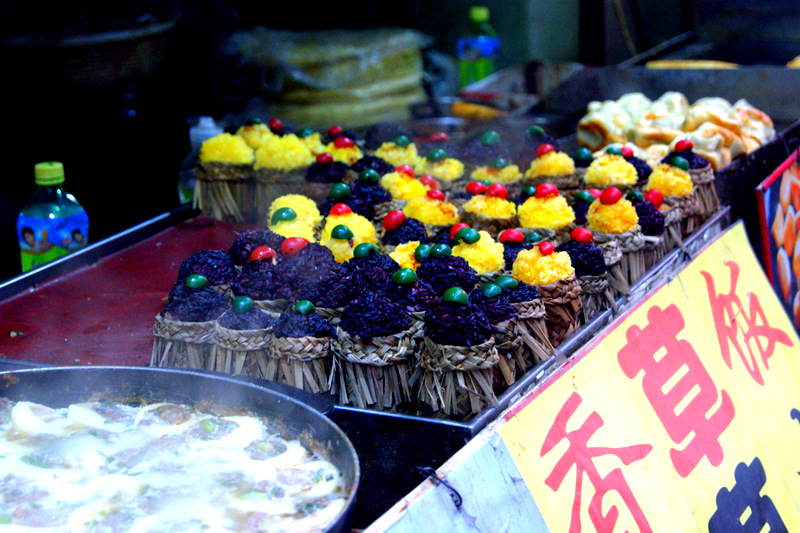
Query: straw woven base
(631, 244)
(704, 181)
(617, 279)
(179, 344)
(596, 295)
(531, 328)
(374, 375)
(239, 352)
(457, 380)
(226, 192)
(274, 307)
(689, 205)
(302, 362)
(562, 305)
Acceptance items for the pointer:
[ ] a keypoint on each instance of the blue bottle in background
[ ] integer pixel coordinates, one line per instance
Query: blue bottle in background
(52, 223)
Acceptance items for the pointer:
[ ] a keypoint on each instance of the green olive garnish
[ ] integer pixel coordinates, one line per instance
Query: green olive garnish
(282, 214)
(196, 281)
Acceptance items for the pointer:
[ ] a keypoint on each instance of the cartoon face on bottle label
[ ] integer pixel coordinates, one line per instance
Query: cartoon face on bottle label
(43, 240)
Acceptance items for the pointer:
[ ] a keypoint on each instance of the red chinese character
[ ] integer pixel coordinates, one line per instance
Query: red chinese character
(664, 358)
(581, 455)
(746, 330)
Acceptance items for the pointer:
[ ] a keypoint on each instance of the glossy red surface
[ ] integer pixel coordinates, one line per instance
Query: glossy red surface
(103, 314)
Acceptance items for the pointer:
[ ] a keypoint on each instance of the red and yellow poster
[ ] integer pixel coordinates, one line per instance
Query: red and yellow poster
(685, 416)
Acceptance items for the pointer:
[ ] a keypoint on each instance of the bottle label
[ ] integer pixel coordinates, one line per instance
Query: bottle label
(476, 56)
(42, 240)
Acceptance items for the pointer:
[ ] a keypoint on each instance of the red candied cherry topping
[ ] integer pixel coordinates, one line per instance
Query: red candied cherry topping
(435, 194)
(596, 193)
(405, 169)
(544, 148)
(439, 136)
(610, 196)
(335, 131)
(325, 158)
(429, 181)
(581, 235)
(683, 145)
(498, 190)
(340, 209)
(262, 252)
(476, 187)
(292, 245)
(627, 151)
(275, 124)
(511, 235)
(393, 219)
(655, 197)
(455, 228)
(543, 190)
(343, 142)
(546, 248)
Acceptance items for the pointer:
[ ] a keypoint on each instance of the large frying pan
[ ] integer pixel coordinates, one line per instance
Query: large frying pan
(61, 386)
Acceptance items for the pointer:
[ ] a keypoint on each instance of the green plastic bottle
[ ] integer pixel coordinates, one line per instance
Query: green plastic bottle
(477, 49)
(52, 223)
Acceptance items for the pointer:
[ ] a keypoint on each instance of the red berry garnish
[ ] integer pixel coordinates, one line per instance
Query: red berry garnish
(292, 245)
(405, 169)
(627, 151)
(335, 131)
(610, 196)
(325, 158)
(498, 190)
(262, 252)
(546, 248)
(343, 142)
(393, 219)
(435, 194)
(340, 209)
(581, 235)
(456, 227)
(683, 145)
(511, 235)
(543, 190)
(596, 193)
(275, 124)
(429, 181)
(476, 187)
(439, 136)
(544, 148)
(655, 197)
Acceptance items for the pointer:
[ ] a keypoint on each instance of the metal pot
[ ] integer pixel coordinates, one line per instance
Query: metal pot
(60, 386)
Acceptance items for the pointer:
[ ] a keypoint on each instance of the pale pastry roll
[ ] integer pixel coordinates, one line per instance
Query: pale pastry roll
(710, 111)
(660, 115)
(713, 101)
(794, 63)
(645, 136)
(606, 122)
(634, 104)
(758, 125)
(673, 101)
(655, 153)
(717, 144)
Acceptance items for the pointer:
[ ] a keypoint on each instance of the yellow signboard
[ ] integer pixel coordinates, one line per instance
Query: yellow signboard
(685, 416)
